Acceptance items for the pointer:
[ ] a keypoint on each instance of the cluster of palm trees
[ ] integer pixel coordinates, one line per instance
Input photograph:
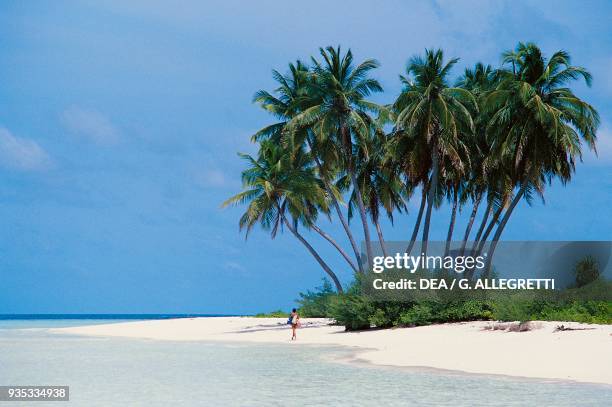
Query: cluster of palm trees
(491, 139)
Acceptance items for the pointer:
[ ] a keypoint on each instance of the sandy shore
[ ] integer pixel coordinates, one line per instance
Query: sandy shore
(581, 355)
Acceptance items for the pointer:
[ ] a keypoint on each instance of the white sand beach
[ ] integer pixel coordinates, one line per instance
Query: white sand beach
(578, 355)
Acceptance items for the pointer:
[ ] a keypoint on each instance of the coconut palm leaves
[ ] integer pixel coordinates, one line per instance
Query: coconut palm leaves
(538, 124)
(282, 189)
(433, 115)
(379, 181)
(479, 81)
(298, 91)
(498, 136)
(339, 112)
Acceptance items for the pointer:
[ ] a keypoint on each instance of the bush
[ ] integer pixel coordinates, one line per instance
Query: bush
(592, 312)
(379, 319)
(587, 311)
(419, 314)
(273, 314)
(356, 311)
(587, 271)
(352, 310)
(469, 310)
(428, 312)
(387, 314)
(315, 304)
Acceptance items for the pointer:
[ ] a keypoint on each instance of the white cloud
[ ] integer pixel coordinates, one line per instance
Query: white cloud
(22, 154)
(234, 267)
(212, 178)
(90, 124)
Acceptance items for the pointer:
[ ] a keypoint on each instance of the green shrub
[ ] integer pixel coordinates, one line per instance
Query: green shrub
(387, 314)
(587, 271)
(592, 312)
(587, 311)
(352, 310)
(419, 314)
(379, 319)
(273, 314)
(468, 310)
(356, 311)
(315, 304)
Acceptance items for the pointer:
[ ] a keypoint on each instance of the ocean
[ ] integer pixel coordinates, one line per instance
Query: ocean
(136, 372)
(66, 320)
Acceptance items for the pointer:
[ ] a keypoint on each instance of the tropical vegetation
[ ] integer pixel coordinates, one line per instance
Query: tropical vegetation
(487, 140)
(587, 304)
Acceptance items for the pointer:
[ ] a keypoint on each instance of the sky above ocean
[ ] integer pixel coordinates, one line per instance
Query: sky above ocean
(120, 122)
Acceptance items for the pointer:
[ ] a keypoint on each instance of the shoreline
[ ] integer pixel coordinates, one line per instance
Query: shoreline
(363, 363)
(582, 356)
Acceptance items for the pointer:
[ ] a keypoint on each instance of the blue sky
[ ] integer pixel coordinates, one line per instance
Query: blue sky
(120, 122)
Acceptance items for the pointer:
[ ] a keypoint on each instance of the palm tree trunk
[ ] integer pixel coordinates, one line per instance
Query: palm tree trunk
(417, 224)
(362, 213)
(483, 224)
(501, 227)
(381, 239)
(468, 229)
(313, 252)
(433, 186)
(346, 228)
(492, 224)
(451, 225)
(346, 142)
(336, 205)
(479, 244)
(337, 246)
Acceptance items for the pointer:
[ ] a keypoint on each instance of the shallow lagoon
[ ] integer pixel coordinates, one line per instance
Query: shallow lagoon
(135, 372)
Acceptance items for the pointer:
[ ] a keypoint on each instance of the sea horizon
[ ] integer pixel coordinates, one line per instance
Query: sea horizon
(136, 316)
(44, 321)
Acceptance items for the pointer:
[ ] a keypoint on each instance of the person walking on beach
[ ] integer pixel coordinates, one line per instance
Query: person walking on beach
(295, 320)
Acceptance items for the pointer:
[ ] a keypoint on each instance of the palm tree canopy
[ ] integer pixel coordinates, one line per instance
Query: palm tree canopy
(379, 179)
(431, 115)
(338, 108)
(537, 124)
(284, 102)
(277, 184)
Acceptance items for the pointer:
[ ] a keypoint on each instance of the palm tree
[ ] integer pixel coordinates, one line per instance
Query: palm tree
(538, 124)
(409, 160)
(417, 223)
(479, 80)
(432, 115)
(455, 185)
(499, 136)
(326, 160)
(339, 116)
(281, 189)
(500, 193)
(379, 182)
(292, 98)
(284, 106)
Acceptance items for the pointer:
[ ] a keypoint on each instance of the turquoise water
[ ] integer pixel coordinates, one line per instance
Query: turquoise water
(65, 320)
(51, 323)
(131, 372)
